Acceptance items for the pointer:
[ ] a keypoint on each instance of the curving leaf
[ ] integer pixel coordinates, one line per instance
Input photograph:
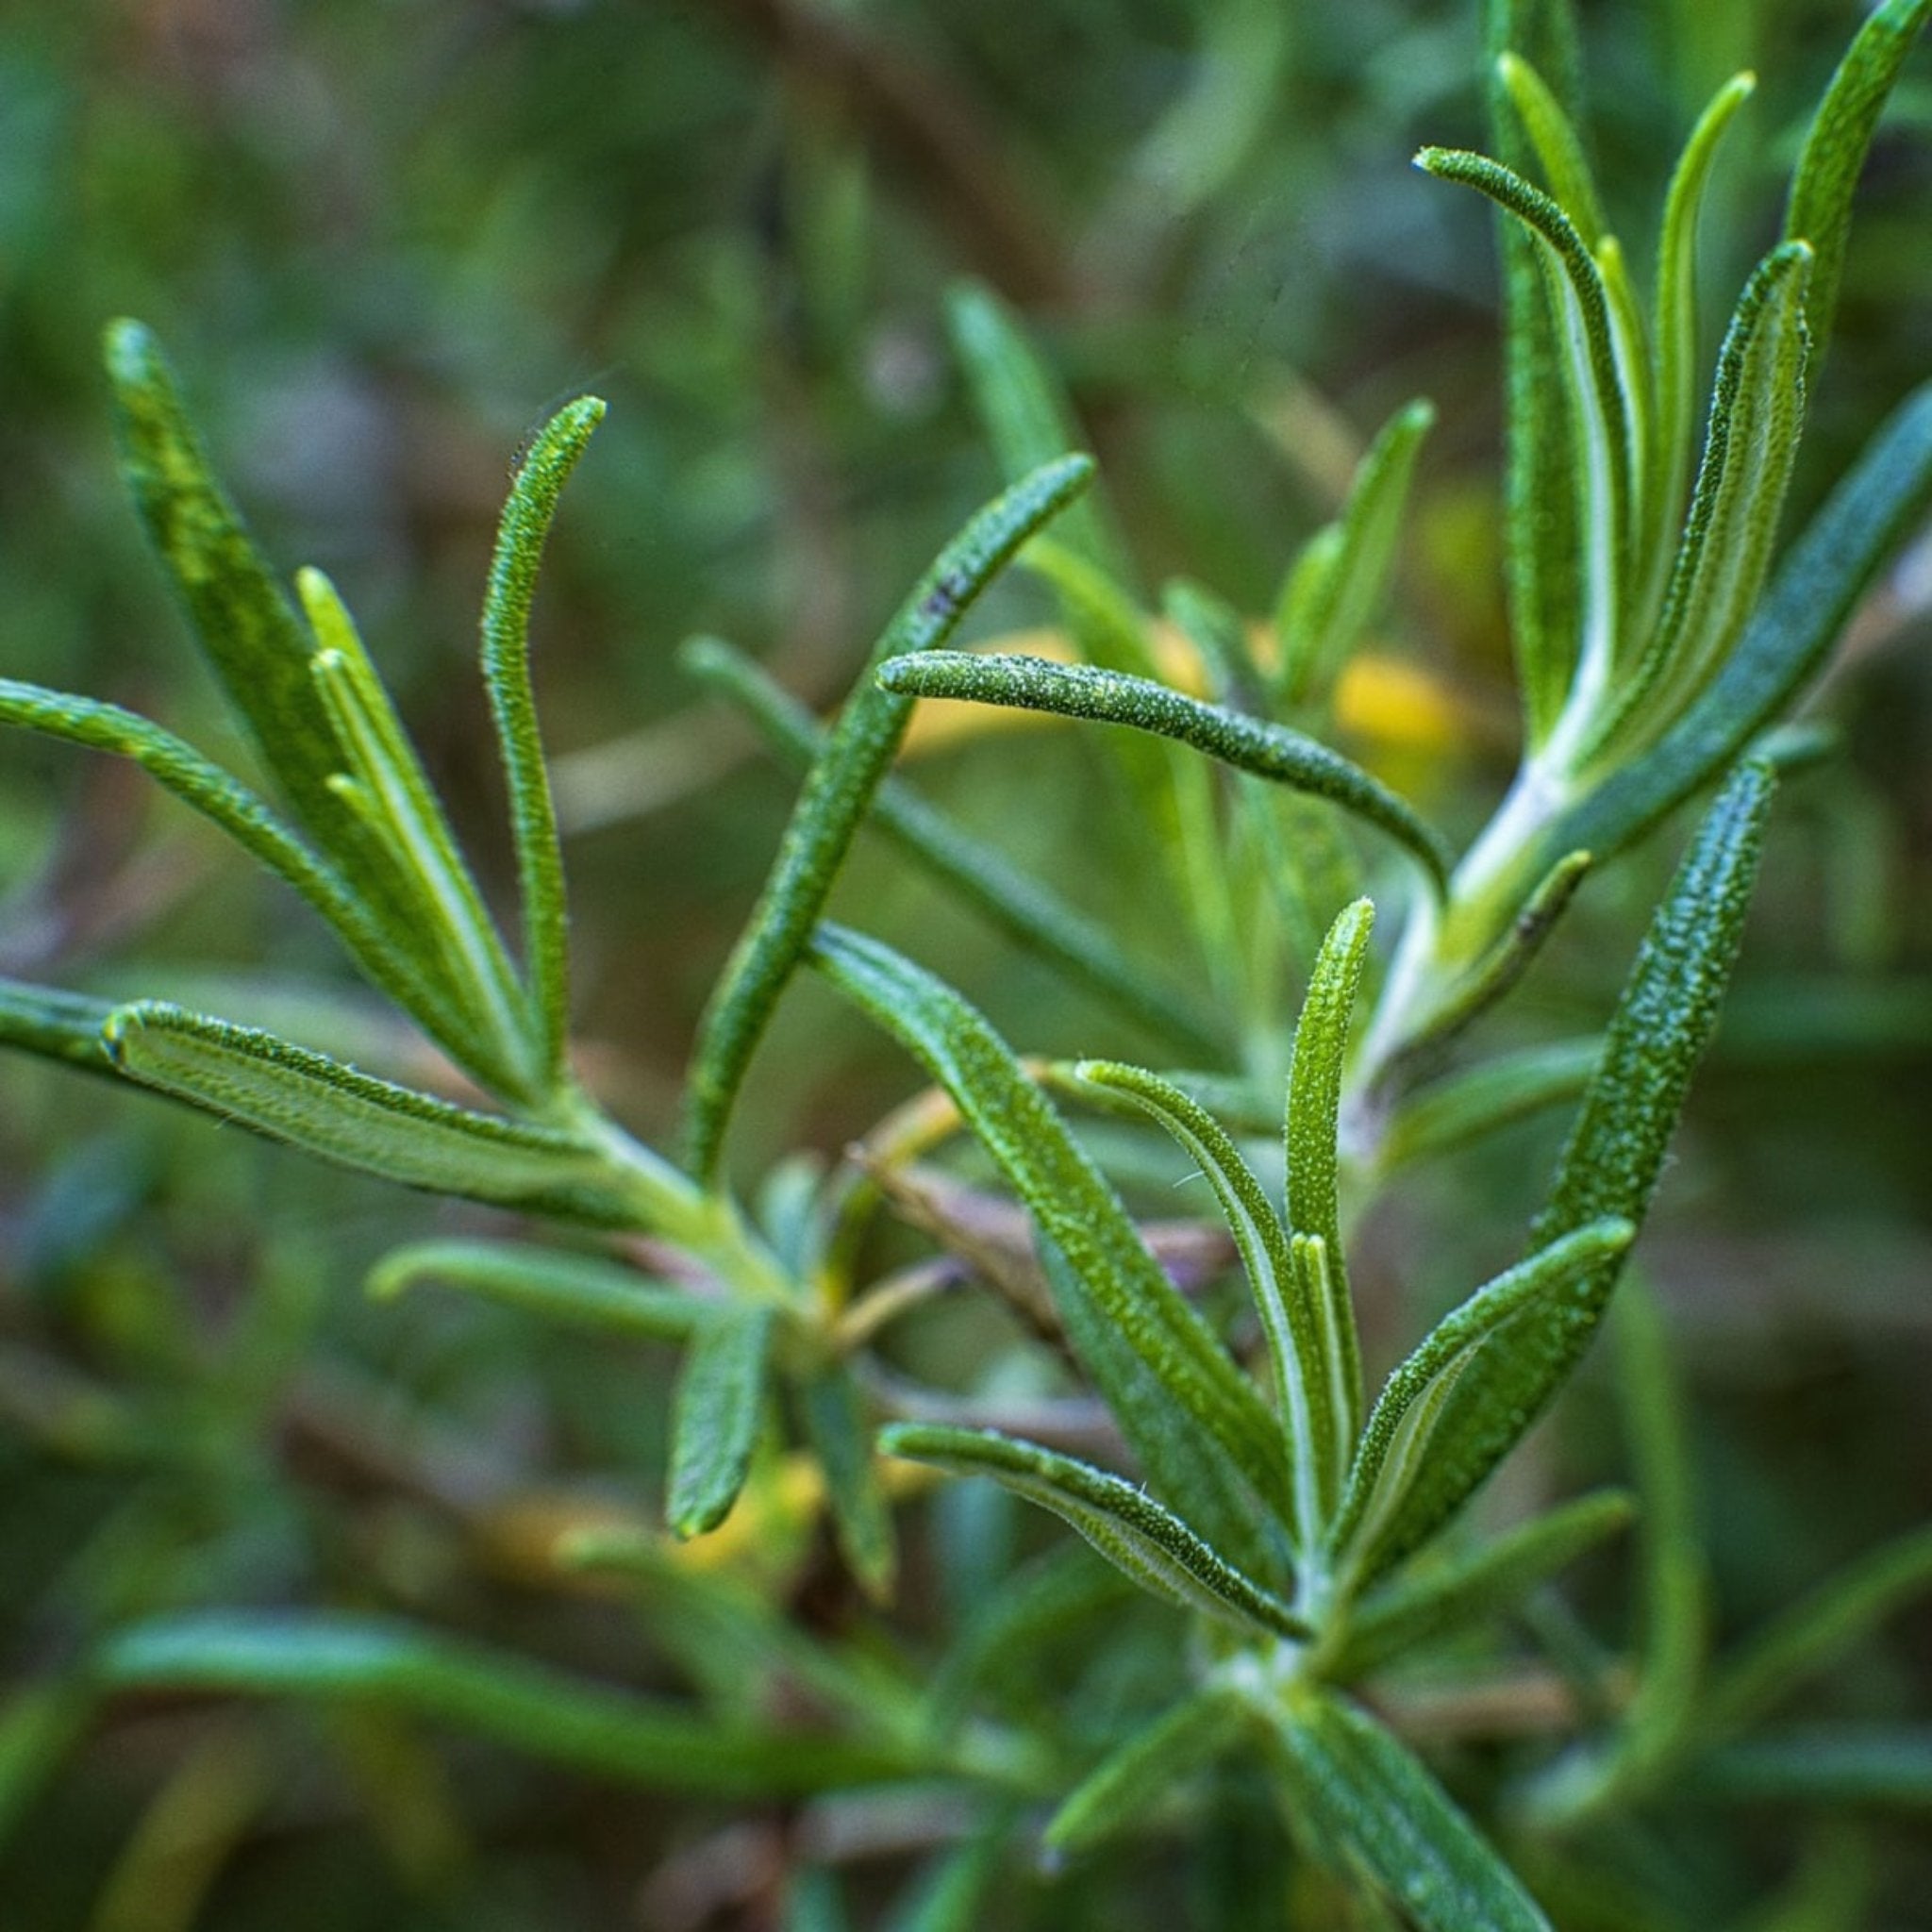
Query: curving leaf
(1026, 910)
(506, 657)
(327, 1109)
(1495, 1094)
(1295, 1328)
(1616, 1149)
(1407, 1428)
(1557, 146)
(1192, 1419)
(1132, 1531)
(1112, 697)
(833, 1412)
(837, 793)
(715, 1416)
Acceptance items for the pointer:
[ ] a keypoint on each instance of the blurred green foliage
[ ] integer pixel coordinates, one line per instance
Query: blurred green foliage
(384, 238)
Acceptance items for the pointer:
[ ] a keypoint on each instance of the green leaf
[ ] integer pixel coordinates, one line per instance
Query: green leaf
(1558, 149)
(326, 1108)
(837, 794)
(1616, 1149)
(1370, 1805)
(58, 1026)
(1604, 417)
(1820, 209)
(1026, 412)
(579, 1291)
(833, 1412)
(1334, 585)
(1220, 638)
(1314, 1193)
(1188, 1414)
(384, 782)
(506, 655)
(245, 623)
(227, 803)
(600, 1729)
(1295, 1328)
(1428, 1608)
(1111, 697)
(1811, 600)
(1818, 1630)
(1132, 1531)
(950, 1895)
(1827, 1767)
(1142, 1774)
(1542, 544)
(1756, 412)
(1675, 323)
(1405, 1430)
(1464, 1107)
(1027, 910)
(715, 1416)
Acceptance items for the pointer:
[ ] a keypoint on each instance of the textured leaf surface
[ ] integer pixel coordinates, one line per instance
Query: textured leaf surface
(1132, 1531)
(715, 1416)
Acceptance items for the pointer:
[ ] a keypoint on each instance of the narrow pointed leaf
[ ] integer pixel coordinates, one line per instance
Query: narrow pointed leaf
(579, 1291)
(1756, 412)
(1827, 1767)
(1313, 1190)
(1495, 1094)
(1026, 412)
(506, 653)
(245, 623)
(715, 1416)
(1189, 1413)
(1143, 1773)
(1406, 1429)
(1295, 1329)
(1429, 1609)
(833, 1412)
(1132, 1531)
(1801, 617)
(1334, 590)
(1600, 410)
(225, 802)
(1371, 1806)
(327, 1109)
(1026, 910)
(1677, 306)
(599, 1728)
(1818, 1629)
(383, 780)
(1820, 209)
(1616, 1150)
(837, 793)
(1249, 744)
(1542, 542)
(1558, 149)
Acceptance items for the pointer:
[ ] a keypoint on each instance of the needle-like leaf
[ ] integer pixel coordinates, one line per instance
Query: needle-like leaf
(837, 793)
(1461, 1109)
(1195, 1423)
(1111, 697)
(833, 1412)
(505, 655)
(1131, 1530)
(330, 1109)
(579, 1291)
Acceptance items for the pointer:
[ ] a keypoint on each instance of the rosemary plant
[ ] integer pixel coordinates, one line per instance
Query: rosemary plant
(1663, 632)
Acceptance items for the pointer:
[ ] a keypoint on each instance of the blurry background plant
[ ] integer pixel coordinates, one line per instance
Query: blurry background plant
(735, 223)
